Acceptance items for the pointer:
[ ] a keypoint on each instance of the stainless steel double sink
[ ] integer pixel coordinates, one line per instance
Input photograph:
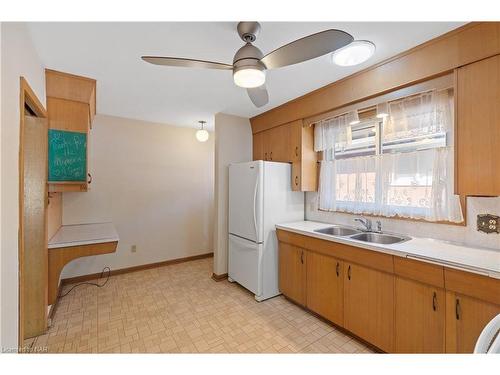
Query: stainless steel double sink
(358, 235)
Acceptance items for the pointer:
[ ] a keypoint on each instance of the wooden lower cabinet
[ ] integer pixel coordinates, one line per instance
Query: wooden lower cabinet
(292, 272)
(369, 305)
(325, 287)
(419, 317)
(465, 319)
(415, 308)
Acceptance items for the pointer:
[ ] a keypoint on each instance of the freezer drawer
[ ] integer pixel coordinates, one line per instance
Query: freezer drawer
(244, 263)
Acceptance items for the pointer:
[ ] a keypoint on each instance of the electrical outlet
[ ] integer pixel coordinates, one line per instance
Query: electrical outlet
(133, 248)
(488, 223)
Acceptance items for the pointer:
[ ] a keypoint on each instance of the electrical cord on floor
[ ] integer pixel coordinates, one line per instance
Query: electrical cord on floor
(89, 283)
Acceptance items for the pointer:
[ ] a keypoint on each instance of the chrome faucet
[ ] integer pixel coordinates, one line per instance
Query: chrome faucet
(379, 226)
(367, 223)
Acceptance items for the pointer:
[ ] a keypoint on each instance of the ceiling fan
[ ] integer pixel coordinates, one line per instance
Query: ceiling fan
(250, 64)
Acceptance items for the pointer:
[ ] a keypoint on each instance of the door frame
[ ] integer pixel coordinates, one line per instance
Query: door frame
(26, 97)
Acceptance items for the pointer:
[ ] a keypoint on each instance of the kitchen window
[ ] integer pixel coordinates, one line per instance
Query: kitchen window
(397, 164)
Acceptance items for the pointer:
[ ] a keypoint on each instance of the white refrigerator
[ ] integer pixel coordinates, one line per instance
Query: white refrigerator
(260, 196)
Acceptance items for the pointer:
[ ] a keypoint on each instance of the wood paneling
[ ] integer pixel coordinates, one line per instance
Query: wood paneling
(59, 257)
(325, 287)
(54, 214)
(478, 128)
(34, 274)
(424, 272)
(419, 317)
(470, 43)
(68, 115)
(478, 286)
(369, 305)
(292, 272)
(465, 319)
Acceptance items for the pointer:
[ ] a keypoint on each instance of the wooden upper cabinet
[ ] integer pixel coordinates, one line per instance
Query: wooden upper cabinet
(465, 319)
(369, 305)
(420, 317)
(477, 139)
(325, 287)
(276, 144)
(71, 107)
(258, 146)
(292, 272)
(68, 115)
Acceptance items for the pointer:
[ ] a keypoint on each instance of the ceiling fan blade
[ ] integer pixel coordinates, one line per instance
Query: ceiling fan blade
(309, 47)
(258, 95)
(187, 63)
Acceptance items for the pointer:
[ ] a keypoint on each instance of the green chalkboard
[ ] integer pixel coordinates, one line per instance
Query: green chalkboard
(67, 156)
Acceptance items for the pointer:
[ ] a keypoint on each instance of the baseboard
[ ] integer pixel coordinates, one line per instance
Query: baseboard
(219, 277)
(93, 276)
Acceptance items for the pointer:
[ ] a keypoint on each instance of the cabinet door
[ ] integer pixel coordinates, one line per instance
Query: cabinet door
(369, 305)
(292, 272)
(295, 146)
(325, 287)
(478, 128)
(258, 146)
(465, 319)
(278, 143)
(420, 314)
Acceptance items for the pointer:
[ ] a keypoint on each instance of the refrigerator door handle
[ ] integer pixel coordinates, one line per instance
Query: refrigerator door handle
(255, 209)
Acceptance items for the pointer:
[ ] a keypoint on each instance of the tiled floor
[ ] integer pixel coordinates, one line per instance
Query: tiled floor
(180, 309)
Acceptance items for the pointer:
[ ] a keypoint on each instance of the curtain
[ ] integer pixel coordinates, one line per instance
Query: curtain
(422, 114)
(414, 184)
(332, 134)
(417, 185)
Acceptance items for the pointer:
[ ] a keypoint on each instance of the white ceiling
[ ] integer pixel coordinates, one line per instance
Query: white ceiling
(128, 87)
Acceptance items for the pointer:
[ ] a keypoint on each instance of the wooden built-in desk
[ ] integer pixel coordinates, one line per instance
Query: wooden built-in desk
(76, 241)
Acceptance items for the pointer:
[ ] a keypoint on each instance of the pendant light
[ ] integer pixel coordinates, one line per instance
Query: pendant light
(202, 134)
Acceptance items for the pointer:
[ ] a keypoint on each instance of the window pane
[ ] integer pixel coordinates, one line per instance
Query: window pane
(363, 140)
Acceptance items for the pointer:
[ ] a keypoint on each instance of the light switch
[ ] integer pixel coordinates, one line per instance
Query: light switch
(488, 223)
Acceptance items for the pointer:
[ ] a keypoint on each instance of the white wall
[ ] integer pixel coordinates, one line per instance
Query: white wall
(456, 233)
(233, 143)
(19, 58)
(155, 183)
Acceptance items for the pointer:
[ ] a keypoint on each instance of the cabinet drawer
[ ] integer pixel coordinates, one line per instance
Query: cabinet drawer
(372, 259)
(470, 284)
(290, 238)
(419, 271)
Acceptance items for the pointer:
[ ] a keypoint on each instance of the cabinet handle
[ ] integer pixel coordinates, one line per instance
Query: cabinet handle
(302, 257)
(89, 181)
(297, 151)
(434, 301)
(337, 269)
(296, 180)
(271, 156)
(457, 309)
(265, 156)
(349, 273)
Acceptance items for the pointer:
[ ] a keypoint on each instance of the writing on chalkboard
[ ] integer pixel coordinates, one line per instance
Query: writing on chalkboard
(67, 156)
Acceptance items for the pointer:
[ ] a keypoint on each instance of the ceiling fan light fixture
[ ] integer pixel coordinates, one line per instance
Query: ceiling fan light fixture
(354, 53)
(201, 134)
(249, 76)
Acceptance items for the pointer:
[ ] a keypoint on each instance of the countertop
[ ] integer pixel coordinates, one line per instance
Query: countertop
(472, 259)
(83, 234)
